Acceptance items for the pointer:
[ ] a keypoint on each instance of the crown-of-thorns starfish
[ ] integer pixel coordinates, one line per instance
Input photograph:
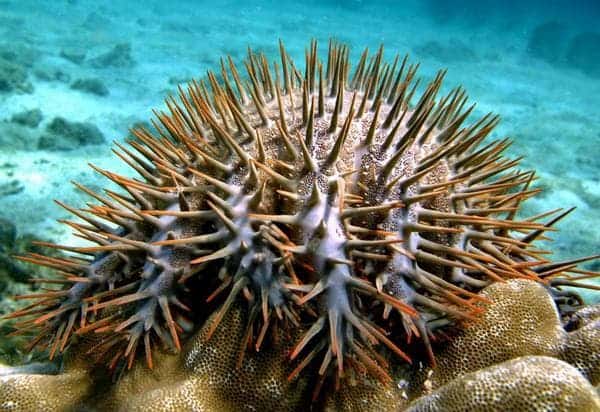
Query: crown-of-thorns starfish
(326, 201)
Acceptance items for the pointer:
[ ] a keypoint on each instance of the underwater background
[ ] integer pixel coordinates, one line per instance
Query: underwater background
(76, 75)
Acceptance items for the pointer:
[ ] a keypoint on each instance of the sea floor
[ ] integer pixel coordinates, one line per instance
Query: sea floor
(106, 65)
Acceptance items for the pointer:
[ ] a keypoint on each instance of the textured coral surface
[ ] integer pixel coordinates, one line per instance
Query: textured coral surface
(329, 234)
(205, 376)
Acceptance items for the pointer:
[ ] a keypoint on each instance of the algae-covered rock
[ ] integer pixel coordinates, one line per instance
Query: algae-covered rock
(546, 42)
(451, 51)
(20, 53)
(584, 53)
(15, 61)
(51, 74)
(90, 85)
(62, 134)
(8, 234)
(14, 135)
(30, 118)
(119, 56)
(10, 187)
(15, 279)
(13, 78)
(73, 54)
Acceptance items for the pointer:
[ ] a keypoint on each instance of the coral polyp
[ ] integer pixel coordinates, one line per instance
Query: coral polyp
(332, 204)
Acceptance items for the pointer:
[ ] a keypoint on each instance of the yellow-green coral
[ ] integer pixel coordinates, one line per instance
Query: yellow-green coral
(529, 383)
(31, 392)
(521, 320)
(501, 368)
(207, 376)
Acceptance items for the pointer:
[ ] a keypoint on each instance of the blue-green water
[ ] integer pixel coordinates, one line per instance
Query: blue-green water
(536, 63)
